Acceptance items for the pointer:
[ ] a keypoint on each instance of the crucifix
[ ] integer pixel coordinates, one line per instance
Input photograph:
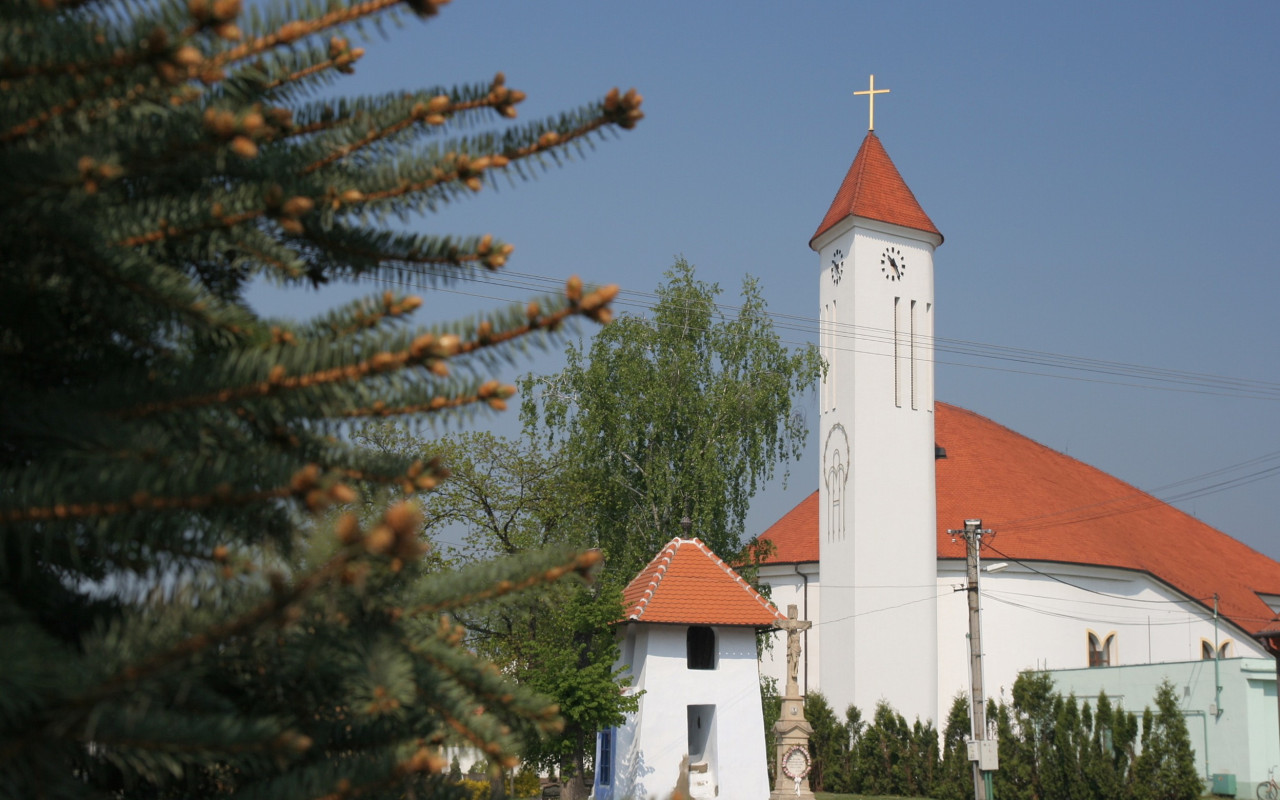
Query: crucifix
(871, 93)
(793, 626)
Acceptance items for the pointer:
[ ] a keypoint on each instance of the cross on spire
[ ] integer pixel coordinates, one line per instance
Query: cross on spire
(871, 93)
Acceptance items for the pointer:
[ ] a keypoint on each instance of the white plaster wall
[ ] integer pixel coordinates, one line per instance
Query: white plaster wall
(1030, 621)
(796, 584)
(652, 746)
(878, 614)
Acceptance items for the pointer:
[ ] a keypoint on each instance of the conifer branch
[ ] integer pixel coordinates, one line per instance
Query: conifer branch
(283, 603)
(484, 253)
(294, 30)
(426, 350)
(434, 112)
(492, 394)
(342, 58)
(303, 484)
(580, 563)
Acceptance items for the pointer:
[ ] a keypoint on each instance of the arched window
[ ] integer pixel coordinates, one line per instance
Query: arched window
(1102, 652)
(700, 643)
(1206, 650)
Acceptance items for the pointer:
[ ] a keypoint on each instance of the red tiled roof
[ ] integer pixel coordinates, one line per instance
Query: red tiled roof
(1046, 506)
(873, 188)
(795, 536)
(688, 584)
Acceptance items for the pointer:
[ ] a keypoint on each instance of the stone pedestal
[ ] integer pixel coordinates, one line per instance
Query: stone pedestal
(791, 730)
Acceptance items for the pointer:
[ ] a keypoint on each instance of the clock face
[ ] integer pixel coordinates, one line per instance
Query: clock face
(893, 264)
(837, 266)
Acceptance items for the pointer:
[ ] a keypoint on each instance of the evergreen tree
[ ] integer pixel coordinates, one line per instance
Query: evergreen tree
(175, 624)
(827, 744)
(1166, 767)
(956, 775)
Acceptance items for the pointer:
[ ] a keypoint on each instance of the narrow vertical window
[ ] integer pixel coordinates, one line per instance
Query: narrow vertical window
(926, 357)
(897, 356)
(824, 321)
(604, 769)
(913, 355)
(831, 360)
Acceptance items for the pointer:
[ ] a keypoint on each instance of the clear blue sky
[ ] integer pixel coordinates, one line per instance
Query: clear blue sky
(1107, 176)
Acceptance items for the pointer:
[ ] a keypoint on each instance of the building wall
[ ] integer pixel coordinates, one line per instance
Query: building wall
(798, 585)
(1242, 739)
(651, 749)
(877, 493)
(1032, 621)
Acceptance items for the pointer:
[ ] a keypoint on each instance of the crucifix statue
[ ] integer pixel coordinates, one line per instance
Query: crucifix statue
(794, 627)
(791, 731)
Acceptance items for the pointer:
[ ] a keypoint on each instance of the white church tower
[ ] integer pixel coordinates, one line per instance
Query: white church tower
(877, 537)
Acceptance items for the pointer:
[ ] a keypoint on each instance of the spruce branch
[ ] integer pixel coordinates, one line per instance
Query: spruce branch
(297, 29)
(581, 564)
(427, 350)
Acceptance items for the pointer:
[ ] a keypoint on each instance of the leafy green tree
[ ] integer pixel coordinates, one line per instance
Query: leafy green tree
(1166, 767)
(177, 625)
(506, 497)
(682, 413)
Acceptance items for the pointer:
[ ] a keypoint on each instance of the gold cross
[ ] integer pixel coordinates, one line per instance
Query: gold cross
(871, 93)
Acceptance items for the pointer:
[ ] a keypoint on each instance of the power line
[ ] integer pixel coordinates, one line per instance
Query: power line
(810, 329)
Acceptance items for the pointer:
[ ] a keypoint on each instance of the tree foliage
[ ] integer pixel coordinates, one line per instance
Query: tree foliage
(1166, 767)
(510, 496)
(1052, 747)
(176, 624)
(682, 413)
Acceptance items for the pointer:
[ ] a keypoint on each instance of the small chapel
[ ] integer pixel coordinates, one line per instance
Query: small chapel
(1082, 574)
(688, 642)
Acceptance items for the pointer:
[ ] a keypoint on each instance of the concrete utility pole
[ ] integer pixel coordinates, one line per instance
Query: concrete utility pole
(982, 752)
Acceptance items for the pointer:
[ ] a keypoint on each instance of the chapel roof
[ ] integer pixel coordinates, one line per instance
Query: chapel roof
(688, 584)
(1048, 507)
(873, 188)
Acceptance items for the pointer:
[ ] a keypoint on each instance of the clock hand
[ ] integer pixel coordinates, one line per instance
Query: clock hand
(894, 264)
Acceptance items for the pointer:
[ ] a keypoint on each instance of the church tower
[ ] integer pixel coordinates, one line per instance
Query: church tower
(877, 538)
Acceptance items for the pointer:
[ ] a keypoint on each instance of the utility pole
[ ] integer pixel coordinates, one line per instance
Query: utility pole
(982, 752)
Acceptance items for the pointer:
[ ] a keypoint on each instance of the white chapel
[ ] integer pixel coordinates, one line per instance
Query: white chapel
(1080, 570)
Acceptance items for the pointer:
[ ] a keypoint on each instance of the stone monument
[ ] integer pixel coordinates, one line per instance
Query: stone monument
(792, 730)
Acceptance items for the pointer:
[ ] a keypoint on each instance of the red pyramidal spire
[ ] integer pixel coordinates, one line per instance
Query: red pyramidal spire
(874, 189)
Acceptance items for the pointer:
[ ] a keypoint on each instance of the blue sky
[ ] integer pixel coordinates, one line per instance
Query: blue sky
(1106, 175)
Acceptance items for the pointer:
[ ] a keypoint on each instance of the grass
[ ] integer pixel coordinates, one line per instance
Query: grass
(832, 796)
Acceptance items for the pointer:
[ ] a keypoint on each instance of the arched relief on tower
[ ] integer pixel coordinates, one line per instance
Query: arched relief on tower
(836, 466)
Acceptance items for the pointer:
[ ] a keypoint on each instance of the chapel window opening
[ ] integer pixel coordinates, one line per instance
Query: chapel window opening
(700, 645)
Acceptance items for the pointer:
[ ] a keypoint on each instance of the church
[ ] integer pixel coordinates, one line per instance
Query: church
(1079, 570)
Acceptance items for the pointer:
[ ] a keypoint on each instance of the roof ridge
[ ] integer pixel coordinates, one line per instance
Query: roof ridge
(652, 586)
(643, 599)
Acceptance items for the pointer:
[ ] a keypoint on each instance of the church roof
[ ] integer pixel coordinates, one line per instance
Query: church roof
(1045, 506)
(873, 188)
(688, 584)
